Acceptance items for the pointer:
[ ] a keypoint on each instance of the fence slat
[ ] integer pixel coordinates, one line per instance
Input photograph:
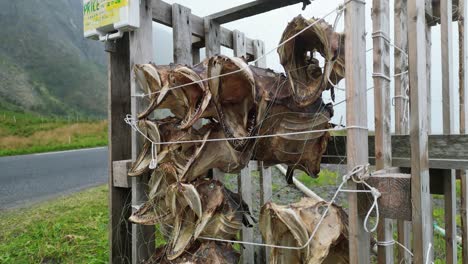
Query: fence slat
(141, 51)
(182, 34)
(383, 144)
(356, 115)
(448, 128)
(463, 61)
(420, 194)
(119, 149)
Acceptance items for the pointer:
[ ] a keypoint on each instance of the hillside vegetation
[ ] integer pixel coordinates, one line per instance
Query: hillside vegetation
(46, 66)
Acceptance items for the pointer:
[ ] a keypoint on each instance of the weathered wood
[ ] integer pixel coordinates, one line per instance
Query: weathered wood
(463, 79)
(440, 156)
(245, 189)
(120, 169)
(448, 128)
(119, 149)
(259, 53)
(250, 9)
(162, 13)
(356, 115)
(428, 77)
(421, 198)
(395, 202)
(401, 105)
(401, 66)
(238, 43)
(141, 51)
(195, 55)
(182, 34)
(450, 210)
(381, 65)
(212, 41)
(262, 253)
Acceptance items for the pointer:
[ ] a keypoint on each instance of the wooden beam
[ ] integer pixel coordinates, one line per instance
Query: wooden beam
(356, 115)
(120, 148)
(245, 189)
(141, 51)
(381, 66)
(421, 198)
(250, 9)
(448, 128)
(182, 34)
(120, 169)
(162, 13)
(440, 156)
(463, 83)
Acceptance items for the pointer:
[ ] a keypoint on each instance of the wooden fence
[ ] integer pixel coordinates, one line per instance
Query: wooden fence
(430, 158)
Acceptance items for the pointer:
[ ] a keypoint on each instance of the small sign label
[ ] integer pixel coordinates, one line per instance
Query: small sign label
(99, 13)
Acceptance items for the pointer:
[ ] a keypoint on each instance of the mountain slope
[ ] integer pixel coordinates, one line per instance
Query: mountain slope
(46, 65)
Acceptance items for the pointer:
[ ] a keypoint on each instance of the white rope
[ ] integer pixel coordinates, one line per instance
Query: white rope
(346, 177)
(131, 121)
(338, 9)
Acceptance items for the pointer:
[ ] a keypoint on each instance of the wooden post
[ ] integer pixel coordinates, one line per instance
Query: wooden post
(463, 62)
(383, 144)
(402, 106)
(212, 37)
(265, 173)
(141, 51)
(245, 178)
(182, 34)
(448, 128)
(119, 149)
(422, 213)
(356, 115)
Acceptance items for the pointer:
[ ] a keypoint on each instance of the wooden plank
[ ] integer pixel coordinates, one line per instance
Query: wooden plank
(141, 51)
(195, 55)
(120, 169)
(401, 66)
(259, 52)
(381, 66)
(448, 128)
(463, 62)
(356, 115)
(212, 40)
(428, 77)
(162, 13)
(401, 107)
(250, 9)
(421, 198)
(245, 189)
(238, 43)
(120, 148)
(182, 34)
(440, 155)
(262, 253)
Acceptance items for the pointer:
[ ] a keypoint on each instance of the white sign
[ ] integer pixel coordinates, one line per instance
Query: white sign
(108, 19)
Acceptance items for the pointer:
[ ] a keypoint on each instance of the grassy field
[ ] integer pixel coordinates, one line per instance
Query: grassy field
(22, 133)
(65, 230)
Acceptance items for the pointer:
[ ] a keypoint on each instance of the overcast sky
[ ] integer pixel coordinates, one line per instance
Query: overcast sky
(269, 27)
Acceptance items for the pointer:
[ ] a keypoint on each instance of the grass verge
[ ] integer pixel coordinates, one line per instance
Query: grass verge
(72, 229)
(23, 133)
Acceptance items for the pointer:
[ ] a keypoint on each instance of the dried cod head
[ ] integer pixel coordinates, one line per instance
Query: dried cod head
(306, 77)
(204, 208)
(292, 225)
(199, 253)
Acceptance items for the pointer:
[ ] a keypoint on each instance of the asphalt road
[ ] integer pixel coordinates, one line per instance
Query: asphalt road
(30, 178)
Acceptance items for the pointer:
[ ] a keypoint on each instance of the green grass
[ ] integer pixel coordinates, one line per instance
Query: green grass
(66, 230)
(325, 178)
(24, 133)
